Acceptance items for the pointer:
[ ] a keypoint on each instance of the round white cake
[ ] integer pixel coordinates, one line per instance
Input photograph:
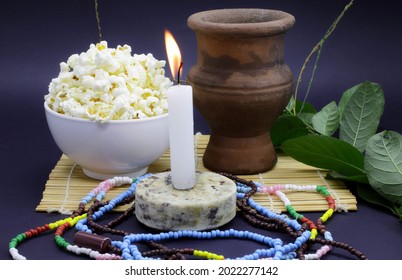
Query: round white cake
(209, 204)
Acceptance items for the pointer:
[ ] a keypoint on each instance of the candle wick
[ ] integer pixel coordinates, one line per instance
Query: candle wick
(178, 73)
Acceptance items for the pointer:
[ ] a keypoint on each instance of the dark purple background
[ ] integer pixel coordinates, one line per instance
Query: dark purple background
(37, 35)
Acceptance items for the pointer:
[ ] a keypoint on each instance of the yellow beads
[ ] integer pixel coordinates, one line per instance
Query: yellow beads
(327, 215)
(208, 255)
(71, 221)
(313, 233)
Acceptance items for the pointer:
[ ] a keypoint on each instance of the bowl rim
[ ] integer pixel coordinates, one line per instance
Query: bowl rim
(56, 114)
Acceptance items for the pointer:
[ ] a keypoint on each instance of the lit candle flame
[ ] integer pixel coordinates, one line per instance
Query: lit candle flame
(173, 54)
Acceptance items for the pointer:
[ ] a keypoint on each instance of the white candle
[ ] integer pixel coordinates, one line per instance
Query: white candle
(181, 136)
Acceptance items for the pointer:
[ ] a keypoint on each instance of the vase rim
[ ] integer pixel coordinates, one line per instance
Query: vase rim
(241, 21)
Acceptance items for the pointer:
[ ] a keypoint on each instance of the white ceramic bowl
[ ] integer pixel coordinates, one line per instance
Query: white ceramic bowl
(111, 148)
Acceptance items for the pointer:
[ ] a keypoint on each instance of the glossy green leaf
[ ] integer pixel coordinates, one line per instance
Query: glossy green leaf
(287, 127)
(326, 121)
(383, 164)
(327, 153)
(361, 115)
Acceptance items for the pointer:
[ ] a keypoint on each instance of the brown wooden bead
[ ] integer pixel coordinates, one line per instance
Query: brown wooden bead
(96, 242)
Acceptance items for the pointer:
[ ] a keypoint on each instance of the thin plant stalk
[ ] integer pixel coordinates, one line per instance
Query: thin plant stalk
(312, 75)
(98, 20)
(317, 48)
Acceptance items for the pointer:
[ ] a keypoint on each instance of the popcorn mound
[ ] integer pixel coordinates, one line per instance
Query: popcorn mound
(110, 84)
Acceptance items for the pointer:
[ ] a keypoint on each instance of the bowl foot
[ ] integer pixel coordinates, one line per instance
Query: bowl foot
(104, 176)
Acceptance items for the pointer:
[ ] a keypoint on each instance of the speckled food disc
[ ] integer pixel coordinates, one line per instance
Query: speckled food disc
(209, 204)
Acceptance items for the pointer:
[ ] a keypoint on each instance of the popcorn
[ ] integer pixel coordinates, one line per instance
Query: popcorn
(110, 84)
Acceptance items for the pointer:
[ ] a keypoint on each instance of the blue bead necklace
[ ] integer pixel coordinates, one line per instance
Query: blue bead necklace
(277, 251)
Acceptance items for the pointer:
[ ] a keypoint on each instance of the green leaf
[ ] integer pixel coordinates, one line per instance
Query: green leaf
(362, 114)
(345, 99)
(287, 127)
(306, 118)
(327, 153)
(300, 108)
(348, 94)
(326, 121)
(291, 104)
(362, 178)
(306, 108)
(367, 193)
(383, 164)
(399, 212)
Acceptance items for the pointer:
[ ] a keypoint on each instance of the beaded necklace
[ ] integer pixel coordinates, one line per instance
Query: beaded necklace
(60, 226)
(254, 213)
(276, 190)
(126, 247)
(318, 254)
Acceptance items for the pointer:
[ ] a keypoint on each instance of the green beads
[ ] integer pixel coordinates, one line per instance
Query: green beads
(18, 239)
(293, 212)
(322, 190)
(61, 242)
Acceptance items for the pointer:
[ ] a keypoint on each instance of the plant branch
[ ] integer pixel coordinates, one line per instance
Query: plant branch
(317, 47)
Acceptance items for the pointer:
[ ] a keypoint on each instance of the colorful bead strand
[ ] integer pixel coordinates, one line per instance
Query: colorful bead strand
(276, 190)
(98, 194)
(100, 190)
(292, 212)
(257, 215)
(38, 230)
(328, 241)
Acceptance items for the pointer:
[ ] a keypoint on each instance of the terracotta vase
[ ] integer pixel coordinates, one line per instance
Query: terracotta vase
(241, 84)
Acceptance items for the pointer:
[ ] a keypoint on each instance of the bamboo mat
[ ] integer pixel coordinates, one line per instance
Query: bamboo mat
(67, 184)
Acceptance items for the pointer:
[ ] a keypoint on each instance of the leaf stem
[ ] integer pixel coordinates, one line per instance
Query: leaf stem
(317, 47)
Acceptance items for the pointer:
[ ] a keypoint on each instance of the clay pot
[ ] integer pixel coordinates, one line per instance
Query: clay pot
(241, 85)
